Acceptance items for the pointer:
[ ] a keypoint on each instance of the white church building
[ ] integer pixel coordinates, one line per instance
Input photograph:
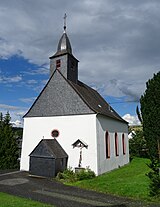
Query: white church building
(86, 127)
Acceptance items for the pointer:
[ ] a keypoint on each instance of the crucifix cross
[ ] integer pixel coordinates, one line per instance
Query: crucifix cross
(65, 17)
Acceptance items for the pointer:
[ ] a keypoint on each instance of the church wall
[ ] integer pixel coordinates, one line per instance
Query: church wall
(70, 129)
(105, 124)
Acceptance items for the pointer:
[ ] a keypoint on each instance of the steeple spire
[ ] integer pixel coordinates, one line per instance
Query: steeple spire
(63, 60)
(65, 17)
(64, 45)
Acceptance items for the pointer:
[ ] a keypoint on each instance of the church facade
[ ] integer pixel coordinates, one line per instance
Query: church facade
(72, 112)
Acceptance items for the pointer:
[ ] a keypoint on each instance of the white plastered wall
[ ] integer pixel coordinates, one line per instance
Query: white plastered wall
(70, 128)
(107, 124)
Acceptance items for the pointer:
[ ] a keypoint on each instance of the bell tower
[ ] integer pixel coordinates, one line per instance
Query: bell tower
(63, 60)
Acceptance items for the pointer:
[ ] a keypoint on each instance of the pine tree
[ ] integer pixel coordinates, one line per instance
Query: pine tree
(150, 111)
(8, 144)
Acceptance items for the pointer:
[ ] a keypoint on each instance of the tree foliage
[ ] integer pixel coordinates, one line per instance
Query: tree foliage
(137, 145)
(150, 113)
(154, 177)
(150, 109)
(8, 144)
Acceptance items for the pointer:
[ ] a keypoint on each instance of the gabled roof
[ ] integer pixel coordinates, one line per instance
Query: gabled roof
(77, 99)
(49, 148)
(58, 98)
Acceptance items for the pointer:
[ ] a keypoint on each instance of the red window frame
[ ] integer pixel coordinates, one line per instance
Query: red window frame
(58, 63)
(107, 141)
(123, 144)
(116, 144)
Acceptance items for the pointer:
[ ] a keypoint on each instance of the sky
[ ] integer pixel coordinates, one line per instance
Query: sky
(116, 42)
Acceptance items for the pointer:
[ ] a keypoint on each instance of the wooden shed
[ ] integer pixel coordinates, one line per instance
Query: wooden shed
(48, 158)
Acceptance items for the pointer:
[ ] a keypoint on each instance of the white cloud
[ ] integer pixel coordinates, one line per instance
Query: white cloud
(131, 119)
(13, 79)
(117, 42)
(28, 100)
(17, 123)
(39, 71)
(31, 82)
(8, 107)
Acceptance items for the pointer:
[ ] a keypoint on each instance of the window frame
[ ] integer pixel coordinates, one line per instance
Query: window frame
(58, 63)
(107, 145)
(116, 145)
(123, 144)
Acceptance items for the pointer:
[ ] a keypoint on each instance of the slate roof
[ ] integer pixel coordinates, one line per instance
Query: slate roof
(58, 98)
(95, 101)
(49, 148)
(88, 96)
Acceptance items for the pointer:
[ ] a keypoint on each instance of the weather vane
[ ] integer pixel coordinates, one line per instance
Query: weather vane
(65, 17)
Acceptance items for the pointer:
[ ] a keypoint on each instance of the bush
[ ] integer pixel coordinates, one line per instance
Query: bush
(85, 174)
(67, 175)
(70, 176)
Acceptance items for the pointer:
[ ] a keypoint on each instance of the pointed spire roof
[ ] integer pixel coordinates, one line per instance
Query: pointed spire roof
(64, 45)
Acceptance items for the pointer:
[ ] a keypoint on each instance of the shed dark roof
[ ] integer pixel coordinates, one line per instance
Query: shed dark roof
(49, 148)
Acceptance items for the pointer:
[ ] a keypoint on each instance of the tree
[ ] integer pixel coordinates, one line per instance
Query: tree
(150, 110)
(150, 114)
(137, 145)
(8, 144)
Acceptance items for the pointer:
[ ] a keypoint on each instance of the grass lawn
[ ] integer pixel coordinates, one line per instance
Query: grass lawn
(7, 200)
(129, 181)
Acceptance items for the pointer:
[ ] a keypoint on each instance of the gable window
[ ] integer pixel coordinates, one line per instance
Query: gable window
(123, 144)
(58, 63)
(116, 144)
(107, 140)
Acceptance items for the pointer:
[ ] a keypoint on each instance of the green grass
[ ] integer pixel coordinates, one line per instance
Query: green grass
(129, 181)
(14, 201)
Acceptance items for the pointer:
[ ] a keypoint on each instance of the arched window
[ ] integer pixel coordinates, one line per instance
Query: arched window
(123, 144)
(116, 144)
(107, 140)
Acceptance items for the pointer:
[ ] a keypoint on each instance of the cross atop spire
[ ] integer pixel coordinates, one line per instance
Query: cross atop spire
(65, 17)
